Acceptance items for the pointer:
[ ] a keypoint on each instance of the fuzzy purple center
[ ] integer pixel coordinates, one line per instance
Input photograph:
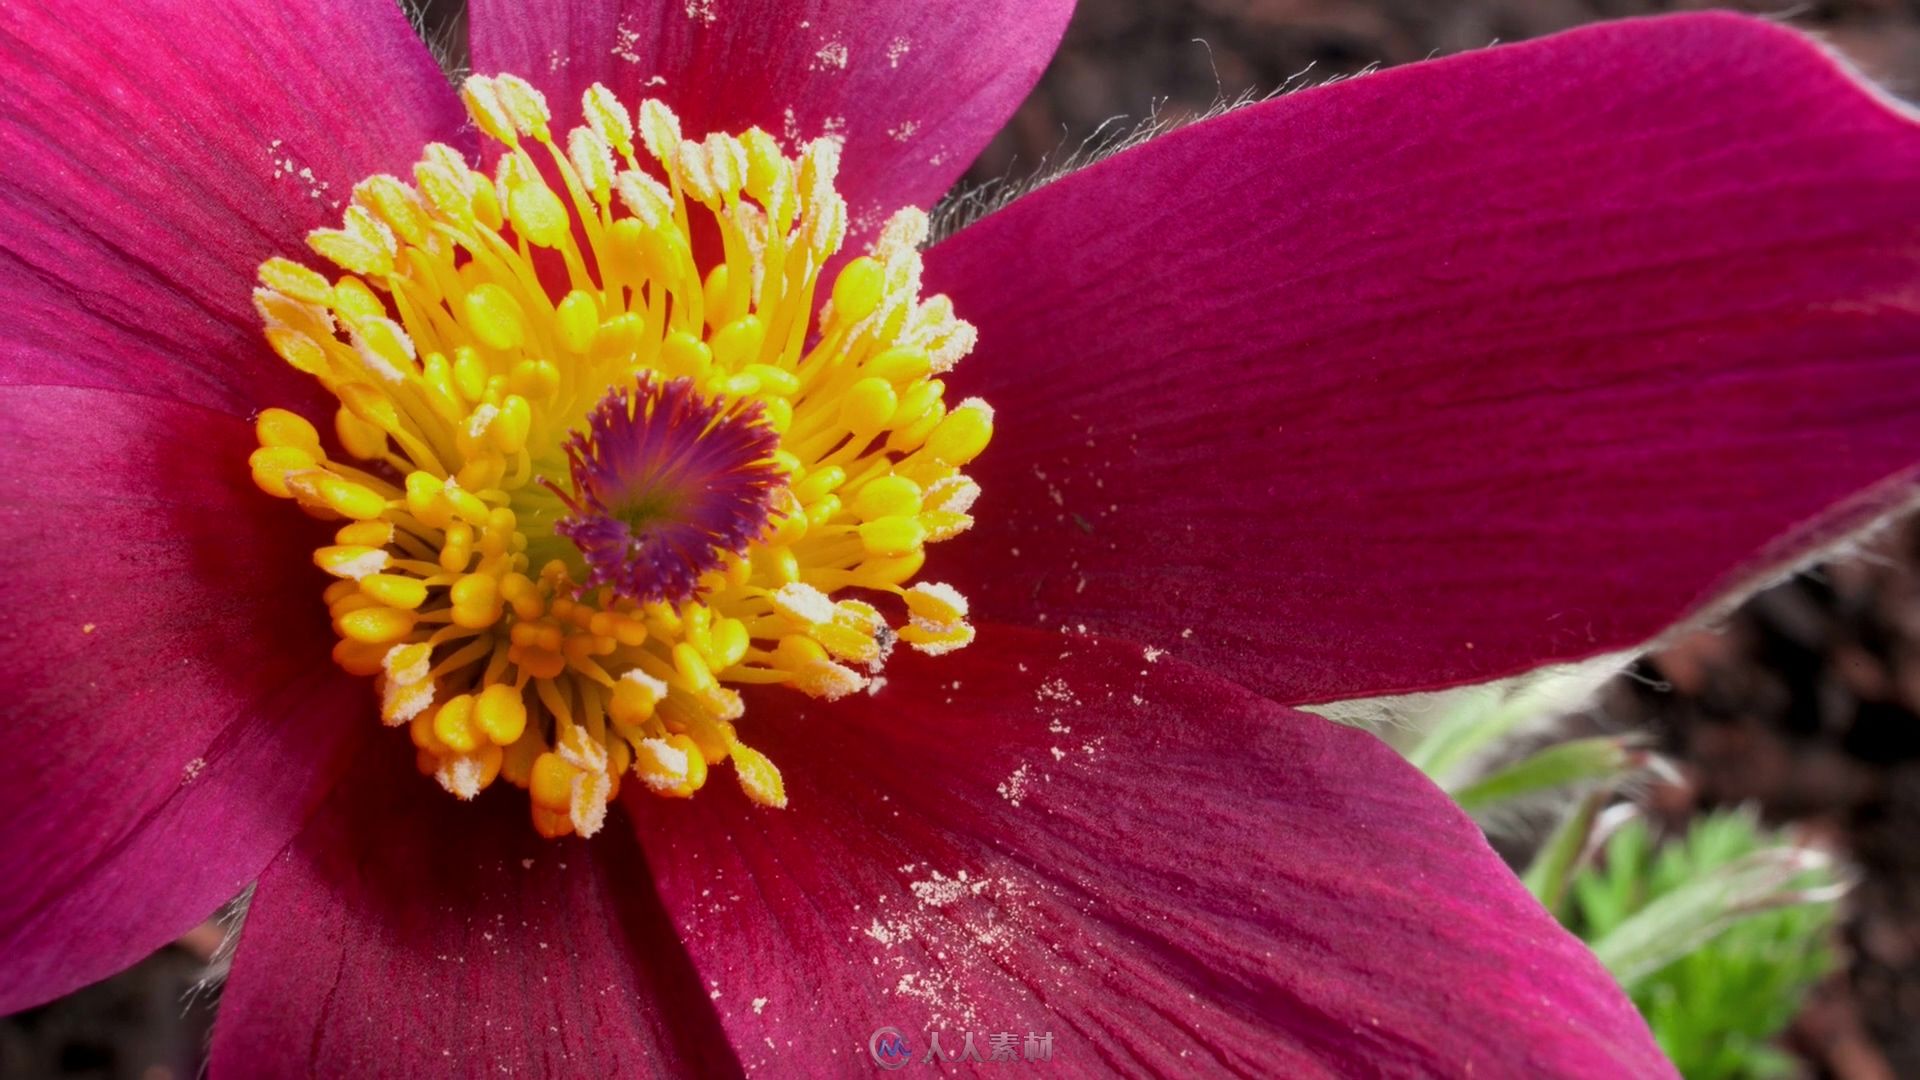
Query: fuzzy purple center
(666, 482)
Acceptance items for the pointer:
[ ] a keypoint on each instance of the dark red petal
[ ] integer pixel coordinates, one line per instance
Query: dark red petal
(1171, 874)
(407, 933)
(1441, 373)
(171, 711)
(916, 89)
(152, 155)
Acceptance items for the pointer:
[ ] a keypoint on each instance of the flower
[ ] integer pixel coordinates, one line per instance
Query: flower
(1419, 379)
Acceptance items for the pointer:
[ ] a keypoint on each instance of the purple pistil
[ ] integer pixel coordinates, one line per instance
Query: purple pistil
(666, 482)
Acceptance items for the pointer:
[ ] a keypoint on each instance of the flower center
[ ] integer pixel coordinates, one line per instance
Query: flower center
(600, 458)
(666, 484)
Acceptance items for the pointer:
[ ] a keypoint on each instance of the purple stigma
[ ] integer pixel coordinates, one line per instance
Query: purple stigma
(666, 482)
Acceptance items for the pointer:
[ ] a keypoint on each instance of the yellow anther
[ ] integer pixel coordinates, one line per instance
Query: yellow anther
(879, 572)
(501, 714)
(758, 777)
(821, 511)
(365, 533)
(342, 603)
(659, 130)
(847, 643)
(489, 113)
(344, 497)
(281, 312)
(456, 551)
(495, 317)
(692, 668)
(454, 725)
(551, 824)
(858, 289)
(362, 439)
(779, 409)
(683, 354)
(354, 300)
(296, 281)
(936, 640)
(730, 643)
(606, 115)
(510, 428)
(577, 318)
(887, 496)
(395, 590)
(552, 782)
(408, 663)
(273, 464)
(796, 651)
(920, 401)
(769, 176)
(536, 380)
(350, 560)
(467, 775)
(669, 766)
(423, 499)
(963, 434)
(358, 658)
(650, 202)
(298, 350)
(868, 406)
(900, 366)
(936, 603)
(520, 591)
(526, 106)
(396, 205)
(892, 536)
(465, 504)
(819, 483)
(369, 404)
(385, 348)
(375, 625)
(738, 342)
(476, 601)
(470, 372)
(826, 679)
(537, 213)
(540, 663)
(363, 245)
(592, 159)
(617, 338)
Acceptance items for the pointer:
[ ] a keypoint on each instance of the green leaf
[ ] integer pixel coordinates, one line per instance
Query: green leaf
(1683, 920)
(1547, 876)
(1600, 758)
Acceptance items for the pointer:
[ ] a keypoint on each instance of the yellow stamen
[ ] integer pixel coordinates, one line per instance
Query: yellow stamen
(473, 324)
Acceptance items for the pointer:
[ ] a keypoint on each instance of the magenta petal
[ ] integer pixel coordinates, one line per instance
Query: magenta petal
(916, 89)
(1171, 874)
(406, 933)
(1448, 371)
(152, 155)
(170, 705)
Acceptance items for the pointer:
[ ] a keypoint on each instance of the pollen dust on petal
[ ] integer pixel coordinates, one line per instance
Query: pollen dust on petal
(949, 931)
(831, 55)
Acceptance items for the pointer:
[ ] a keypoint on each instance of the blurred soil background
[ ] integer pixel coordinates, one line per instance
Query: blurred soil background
(1804, 703)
